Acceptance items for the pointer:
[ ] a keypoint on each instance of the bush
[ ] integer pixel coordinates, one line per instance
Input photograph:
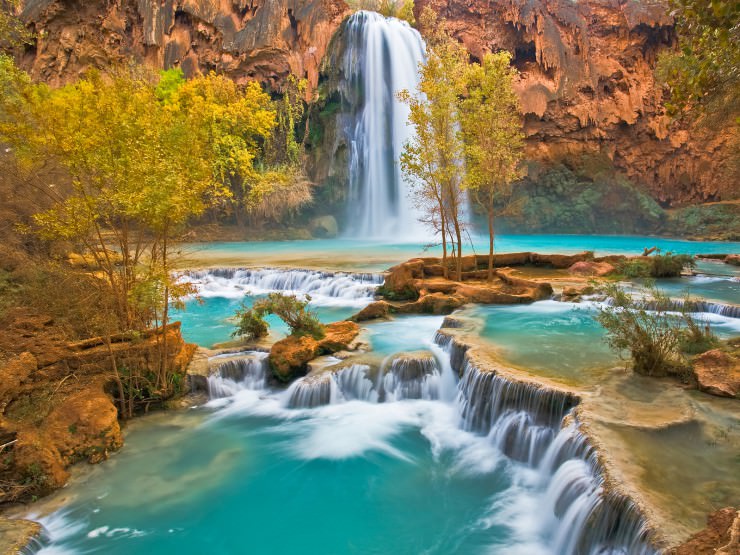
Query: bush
(251, 321)
(658, 339)
(656, 266)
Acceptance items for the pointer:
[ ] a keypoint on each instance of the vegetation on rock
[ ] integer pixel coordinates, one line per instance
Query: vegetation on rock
(656, 338)
(656, 266)
(251, 322)
(703, 72)
(401, 9)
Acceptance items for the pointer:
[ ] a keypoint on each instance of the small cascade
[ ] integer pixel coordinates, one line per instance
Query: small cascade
(312, 391)
(354, 383)
(678, 305)
(246, 372)
(411, 376)
(404, 377)
(585, 517)
(526, 422)
(382, 57)
(324, 287)
(346, 384)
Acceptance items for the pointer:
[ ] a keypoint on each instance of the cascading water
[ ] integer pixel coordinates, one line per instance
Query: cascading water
(381, 59)
(526, 422)
(325, 288)
(248, 371)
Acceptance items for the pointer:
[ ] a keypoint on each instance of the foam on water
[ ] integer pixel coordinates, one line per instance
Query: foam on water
(325, 288)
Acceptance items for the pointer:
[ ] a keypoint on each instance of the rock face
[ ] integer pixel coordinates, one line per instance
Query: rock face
(260, 39)
(720, 537)
(718, 373)
(55, 402)
(587, 88)
(289, 357)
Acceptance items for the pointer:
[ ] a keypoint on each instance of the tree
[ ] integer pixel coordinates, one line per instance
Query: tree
(705, 69)
(13, 32)
(492, 135)
(141, 159)
(291, 310)
(432, 160)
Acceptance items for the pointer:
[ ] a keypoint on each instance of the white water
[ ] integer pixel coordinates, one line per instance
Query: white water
(325, 288)
(557, 504)
(382, 58)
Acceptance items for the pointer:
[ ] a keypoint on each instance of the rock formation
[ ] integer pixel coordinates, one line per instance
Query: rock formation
(587, 88)
(289, 357)
(247, 40)
(55, 406)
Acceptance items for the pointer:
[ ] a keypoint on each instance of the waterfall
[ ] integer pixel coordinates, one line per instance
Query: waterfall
(325, 288)
(415, 376)
(403, 377)
(381, 59)
(708, 307)
(249, 371)
(526, 422)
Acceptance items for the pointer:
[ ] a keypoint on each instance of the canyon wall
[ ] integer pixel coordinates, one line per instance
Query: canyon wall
(245, 39)
(587, 86)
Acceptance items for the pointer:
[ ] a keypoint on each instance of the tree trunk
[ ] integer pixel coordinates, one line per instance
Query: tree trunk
(490, 243)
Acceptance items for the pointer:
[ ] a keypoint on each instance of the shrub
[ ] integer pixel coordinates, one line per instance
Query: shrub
(251, 323)
(656, 266)
(655, 339)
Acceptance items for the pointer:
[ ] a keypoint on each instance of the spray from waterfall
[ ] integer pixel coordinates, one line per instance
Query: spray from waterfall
(382, 58)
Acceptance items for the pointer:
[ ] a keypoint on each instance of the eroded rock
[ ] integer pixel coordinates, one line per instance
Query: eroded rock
(718, 373)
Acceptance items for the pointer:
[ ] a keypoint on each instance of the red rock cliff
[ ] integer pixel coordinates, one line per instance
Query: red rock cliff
(587, 86)
(246, 39)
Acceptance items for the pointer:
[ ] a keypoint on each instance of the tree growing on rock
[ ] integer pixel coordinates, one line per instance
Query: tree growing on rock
(492, 135)
(290, 309)
(432, 160)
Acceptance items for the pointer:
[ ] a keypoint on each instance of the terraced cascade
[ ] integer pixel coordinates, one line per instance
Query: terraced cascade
(457, 465)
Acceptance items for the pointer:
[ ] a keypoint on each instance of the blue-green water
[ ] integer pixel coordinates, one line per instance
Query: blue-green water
(211, 320)
(353, 478)
(247, 475)
(375, 256)
(561, 339)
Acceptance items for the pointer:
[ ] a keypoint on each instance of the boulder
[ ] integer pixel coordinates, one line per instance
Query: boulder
(324, 227)
(733, 259)
(289, 356)
(339, 335)
(590, 268)
(82, 427)
(400, 282)
(434, 303)
(373, 311)
(717, 373)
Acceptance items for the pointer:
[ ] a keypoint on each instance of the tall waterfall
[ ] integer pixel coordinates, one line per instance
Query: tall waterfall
(382, 58)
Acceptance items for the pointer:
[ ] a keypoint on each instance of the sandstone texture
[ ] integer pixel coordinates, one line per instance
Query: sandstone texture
(720, 537)
(718, 373)
(587, 87)
(289, 357)
(419, 286)
(263, 40)
(56, 399)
